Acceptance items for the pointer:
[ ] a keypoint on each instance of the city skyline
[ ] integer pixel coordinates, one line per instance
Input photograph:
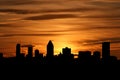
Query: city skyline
(105, 53)
(79, 24)
(66, 57)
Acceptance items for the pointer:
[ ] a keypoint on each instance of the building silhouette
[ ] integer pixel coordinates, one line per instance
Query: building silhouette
(38, 54)
(66, 51)
(18, 50)
(30, 51)
(50, 49)
(105, 50)
(66, 57)
(96, 57)
(38, 57)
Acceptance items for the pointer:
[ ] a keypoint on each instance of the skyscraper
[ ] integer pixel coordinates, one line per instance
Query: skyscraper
(18, 50)
(30, 51)
(50, 49)
(105, 49)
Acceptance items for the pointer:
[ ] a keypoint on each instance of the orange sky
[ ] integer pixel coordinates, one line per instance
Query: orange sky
(78, 24)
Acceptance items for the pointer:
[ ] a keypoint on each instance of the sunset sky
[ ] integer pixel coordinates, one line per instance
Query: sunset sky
(78, 24)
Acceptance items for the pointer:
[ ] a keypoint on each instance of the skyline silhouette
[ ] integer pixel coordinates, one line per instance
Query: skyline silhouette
(66, 57)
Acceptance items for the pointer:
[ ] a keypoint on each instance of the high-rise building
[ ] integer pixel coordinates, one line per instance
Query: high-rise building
(18, 50)
(30, 51)
(50, 49)
(66, 51)
(105, 49)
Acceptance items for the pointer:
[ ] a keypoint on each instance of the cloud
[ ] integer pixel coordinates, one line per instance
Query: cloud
(99, 41)
(25, 2)
(82, 9)
(27, 45)
(28, 11)
(51, 16)
(106, 15)
(13, 35)
(13, 25)
(92, 27)
(5, 25)
(113, 4)
(18, 11)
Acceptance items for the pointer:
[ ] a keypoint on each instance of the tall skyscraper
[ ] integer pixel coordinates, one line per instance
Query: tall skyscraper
(18, 50)
(105, 49)
(50, 49)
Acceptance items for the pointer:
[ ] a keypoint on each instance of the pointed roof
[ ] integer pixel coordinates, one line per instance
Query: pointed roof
(50, 42)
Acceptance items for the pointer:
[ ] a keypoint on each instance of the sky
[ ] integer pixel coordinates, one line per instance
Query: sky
(78, 24)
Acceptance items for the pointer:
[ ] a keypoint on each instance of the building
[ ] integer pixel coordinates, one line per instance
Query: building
(38, 55)
(66, 51)
(50, 49)
(18, 50)
(96, 54)
(105, 49)
(30, 51)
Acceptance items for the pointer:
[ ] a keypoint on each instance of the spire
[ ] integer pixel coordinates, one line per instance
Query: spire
(50, 43)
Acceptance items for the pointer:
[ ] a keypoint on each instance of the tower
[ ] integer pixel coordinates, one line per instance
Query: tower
(18, 50)
(30, 51)
(105, 49)
(50, 49)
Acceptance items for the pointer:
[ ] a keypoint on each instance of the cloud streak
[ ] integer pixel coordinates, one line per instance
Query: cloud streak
(18, 11)
(102, 16)
(28, 11)
(13, 35)
(51, 16)
(25, 2)
(99, 41)
(5, 25)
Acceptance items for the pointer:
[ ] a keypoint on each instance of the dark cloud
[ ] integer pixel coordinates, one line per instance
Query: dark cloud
(108, 15)
(99, 41)
(24, 2)
(93, 27)
(113, 16)
(18, 11)
(110, 4)
(99, 4)
(27, 45)
(51, 16)
(27, 11)
(12, 25)
(12, 35)
(82, 9)
(5, 25)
